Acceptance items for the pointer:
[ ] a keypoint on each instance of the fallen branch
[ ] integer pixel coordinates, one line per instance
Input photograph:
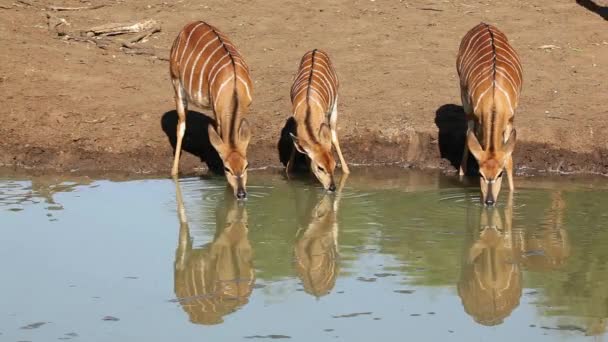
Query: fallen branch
(25, 2)
(130, 43)
(61, 8)
(122, 28)
(429, 9)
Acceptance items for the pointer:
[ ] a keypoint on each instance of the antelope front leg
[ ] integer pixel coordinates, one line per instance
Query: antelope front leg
(181, 104)
(333, 124)
(292, 159)
(509, 167)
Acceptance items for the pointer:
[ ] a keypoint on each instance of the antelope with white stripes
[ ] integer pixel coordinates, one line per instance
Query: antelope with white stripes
(208, 71)
(314, 97)
(490, 84)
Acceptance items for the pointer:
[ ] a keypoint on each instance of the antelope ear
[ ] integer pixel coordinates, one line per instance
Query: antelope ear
(244, 133)
(474, 145)
(510, 144)
(216, 140)
(325, 135)
(296, 143)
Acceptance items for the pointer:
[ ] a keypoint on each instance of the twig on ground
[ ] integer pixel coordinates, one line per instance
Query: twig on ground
(130, 43)
(25, 2)
(61, 8)
(121, 28)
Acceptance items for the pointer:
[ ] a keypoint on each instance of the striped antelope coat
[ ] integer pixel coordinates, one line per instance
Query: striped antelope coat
(490, 81)
(314, 96)
(207, 70)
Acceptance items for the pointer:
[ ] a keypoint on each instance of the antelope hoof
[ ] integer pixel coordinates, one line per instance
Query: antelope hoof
(345, 169)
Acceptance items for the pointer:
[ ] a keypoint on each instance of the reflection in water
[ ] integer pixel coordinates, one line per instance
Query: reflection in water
(491, 278)
(217, 279)
(548, 246)
(490, 285)
(16, 194)
(316, 245)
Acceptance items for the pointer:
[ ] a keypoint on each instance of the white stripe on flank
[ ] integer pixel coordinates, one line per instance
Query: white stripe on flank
(195, 63)
(246, 84)
(185, 66)
(188, 41)
(479, 99)
(218, 72)
(219, 92)
(202, 74)
(508, 97)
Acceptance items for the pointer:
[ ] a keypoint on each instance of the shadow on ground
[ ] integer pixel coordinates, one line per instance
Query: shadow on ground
(451, 122)
(602, 11)
(196, 139)
(285, 147)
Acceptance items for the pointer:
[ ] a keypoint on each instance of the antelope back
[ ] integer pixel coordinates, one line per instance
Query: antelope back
(313, 96)
(490, 72)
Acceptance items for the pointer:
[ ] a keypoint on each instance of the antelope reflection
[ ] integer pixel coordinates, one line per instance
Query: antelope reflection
(316, 245)
(490, 284)
(548, 246)
(216, 279)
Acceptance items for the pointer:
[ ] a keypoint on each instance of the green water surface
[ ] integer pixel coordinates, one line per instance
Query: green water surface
(394, 255)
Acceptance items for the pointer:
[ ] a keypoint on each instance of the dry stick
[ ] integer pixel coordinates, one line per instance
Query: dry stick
(130, 43)
(25, 2)
(121, 28)
(61, 8)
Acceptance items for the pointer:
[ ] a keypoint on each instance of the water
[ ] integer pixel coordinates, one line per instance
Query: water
(395, 255)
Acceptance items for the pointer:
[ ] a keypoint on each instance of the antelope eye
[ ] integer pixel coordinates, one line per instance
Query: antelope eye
(227, 170)
(500, 174)
(321, 169)
(247, 166)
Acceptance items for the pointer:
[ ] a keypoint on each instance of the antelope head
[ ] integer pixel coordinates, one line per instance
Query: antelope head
(322, 162)
(491, 165)
(234, 157)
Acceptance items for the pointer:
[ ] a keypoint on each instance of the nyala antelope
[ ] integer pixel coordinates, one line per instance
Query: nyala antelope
(314, 97)
(208, 71)
(490, 84)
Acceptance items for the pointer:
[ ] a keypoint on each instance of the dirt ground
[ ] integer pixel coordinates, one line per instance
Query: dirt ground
(71, 105)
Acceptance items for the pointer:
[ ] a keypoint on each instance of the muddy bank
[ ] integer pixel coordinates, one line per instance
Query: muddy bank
(75, 105)
(415, 150)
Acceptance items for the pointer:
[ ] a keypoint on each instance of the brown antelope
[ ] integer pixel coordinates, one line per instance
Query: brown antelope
(490, 285)
(217, 279)
(314, 97)
(208, 71)
(490, 84)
